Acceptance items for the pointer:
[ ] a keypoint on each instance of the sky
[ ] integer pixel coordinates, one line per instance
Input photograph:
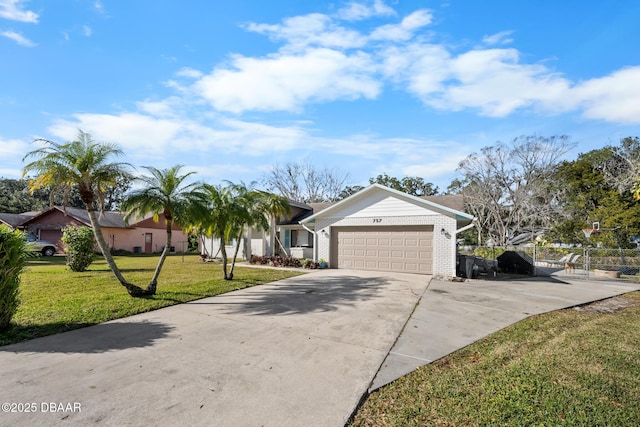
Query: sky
(230, 89)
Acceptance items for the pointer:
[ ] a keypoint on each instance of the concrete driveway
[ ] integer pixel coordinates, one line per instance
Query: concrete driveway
(452, 315)
(298, 352)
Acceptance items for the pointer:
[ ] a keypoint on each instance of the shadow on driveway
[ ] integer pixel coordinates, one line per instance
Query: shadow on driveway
(96, 339)
(305, 294)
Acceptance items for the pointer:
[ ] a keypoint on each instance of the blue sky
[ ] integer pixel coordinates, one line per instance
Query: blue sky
(229, 89)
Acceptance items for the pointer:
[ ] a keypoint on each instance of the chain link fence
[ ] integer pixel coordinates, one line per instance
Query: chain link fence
(586, 263)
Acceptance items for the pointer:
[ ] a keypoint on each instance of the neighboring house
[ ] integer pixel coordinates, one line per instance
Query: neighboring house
(143, 236)
(285, 237)
(378, 229)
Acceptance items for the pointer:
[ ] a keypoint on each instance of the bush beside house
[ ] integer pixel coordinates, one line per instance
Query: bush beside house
(12, 262)
(79, 242)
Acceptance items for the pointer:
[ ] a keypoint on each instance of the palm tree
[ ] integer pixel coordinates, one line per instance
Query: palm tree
(163, 193)
(254, 209)
(216, 220)
(85, 164)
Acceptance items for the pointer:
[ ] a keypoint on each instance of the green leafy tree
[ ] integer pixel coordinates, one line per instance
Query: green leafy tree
(253, 209)
(12, 263)
(216, 220)
(589, 196)
(165, 193)
(413, 185)
(349, 190)
(79, 242)
(15, 197)
(233, 208)
(88, 165)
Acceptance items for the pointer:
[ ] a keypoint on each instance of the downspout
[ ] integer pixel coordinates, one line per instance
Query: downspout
(466, 227)
(315, 245)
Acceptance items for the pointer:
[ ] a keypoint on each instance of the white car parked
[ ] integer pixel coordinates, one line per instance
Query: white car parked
(42, 246)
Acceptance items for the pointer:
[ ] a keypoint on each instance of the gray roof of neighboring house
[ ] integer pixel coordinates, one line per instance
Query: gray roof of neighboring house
(106, 218)
(14, 220)
(309, 209)
(451, 201)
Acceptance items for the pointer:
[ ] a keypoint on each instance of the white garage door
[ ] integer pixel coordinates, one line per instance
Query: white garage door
(406, 249)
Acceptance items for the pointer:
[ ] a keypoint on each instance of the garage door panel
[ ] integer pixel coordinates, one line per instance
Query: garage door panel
(395, 248)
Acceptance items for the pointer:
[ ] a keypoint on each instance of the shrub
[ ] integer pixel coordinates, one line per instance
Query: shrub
(488, 253)
(13, 258)
(276, 261)
(309, 264)
(80, 244)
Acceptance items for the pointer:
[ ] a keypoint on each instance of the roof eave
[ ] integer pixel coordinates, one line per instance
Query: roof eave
(459, 216)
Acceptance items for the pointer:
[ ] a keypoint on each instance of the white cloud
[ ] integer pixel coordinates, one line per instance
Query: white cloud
(405, 29)
(355, 11)
(143, 135)
(86, 31)
(446, 163)
(10, 173)
(614, 98)
(12, 151)
(18, 38)
(99, 6)
(164, 108)
(14, 11)
(310, 30)
(425, 67)
(147, 136)
(503, 37)
(13, 148)
(496, 83)
(189, 73)
(285, 82)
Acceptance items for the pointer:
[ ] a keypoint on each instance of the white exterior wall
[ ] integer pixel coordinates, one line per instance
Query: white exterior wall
(253, 243)
(382, 209)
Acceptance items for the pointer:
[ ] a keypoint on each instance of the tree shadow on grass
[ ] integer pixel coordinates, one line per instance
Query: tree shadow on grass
(311, 294)
(93, 339)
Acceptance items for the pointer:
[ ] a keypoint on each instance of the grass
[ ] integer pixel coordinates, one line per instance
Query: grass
(54, 299)
(570, 367)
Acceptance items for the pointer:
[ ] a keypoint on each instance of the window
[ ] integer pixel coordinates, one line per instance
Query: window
(301, 238)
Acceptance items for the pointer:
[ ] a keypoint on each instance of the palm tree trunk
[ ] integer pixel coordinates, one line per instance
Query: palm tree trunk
(152, 286)
(224, 258)
(133, 290)
(235, 256)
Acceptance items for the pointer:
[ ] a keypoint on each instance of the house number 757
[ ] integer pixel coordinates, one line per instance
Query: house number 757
(377, 220)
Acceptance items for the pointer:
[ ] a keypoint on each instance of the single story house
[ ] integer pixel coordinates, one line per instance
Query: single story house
(378, 229)
(144, 236)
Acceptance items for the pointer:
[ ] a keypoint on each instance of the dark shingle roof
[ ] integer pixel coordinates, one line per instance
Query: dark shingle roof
(106, 218)
(14, 220)
(451, 201)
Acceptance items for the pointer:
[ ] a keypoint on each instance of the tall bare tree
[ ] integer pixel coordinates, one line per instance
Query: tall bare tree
(508, 187)
(622, 169)
(306, 182)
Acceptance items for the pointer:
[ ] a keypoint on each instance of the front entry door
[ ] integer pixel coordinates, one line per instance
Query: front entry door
(148, 243)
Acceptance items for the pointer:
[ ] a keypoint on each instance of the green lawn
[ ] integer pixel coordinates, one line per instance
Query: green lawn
(570, 367)
(54, 299)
